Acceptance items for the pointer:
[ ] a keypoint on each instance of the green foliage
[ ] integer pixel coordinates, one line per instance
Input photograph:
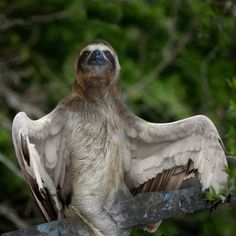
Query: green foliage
(177, 59)
(228, 190)
(212, 195)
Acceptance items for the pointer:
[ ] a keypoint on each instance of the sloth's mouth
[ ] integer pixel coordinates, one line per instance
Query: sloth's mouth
(96, 62)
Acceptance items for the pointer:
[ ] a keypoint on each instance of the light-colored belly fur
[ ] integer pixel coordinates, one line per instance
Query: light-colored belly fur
(96, 148)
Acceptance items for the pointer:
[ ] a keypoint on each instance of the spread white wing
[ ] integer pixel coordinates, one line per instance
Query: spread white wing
(162, 155)
(43, 157)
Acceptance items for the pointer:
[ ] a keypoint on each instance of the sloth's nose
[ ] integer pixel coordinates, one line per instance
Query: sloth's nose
(97, 54)
(96, 58)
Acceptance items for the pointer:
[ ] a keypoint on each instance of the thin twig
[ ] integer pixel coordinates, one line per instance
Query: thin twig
(231, 160)
(8, 23)
(169, 54)
(15, 102)
(11, 166)
(11, 215)
(5, 122)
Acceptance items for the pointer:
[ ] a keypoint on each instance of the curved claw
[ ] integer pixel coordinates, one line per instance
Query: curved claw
(215, 205)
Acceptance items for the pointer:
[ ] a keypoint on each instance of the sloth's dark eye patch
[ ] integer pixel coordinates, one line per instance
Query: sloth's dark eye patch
(107, 53)
(110, 57)
(83, 57)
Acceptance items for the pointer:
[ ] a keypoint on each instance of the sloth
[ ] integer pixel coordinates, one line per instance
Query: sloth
(91, 147)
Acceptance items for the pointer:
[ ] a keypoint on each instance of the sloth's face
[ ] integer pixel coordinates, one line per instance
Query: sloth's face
(96, 61)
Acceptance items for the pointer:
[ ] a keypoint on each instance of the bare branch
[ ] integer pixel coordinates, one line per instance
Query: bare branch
(8, 23)
(231, 160)
(11, 166)
(148, 208)
(138, 211)
(173, 47)
(169, 54)
(69, 226)
(15, 102)
(11, 215)
(51, 17)
(5, 122)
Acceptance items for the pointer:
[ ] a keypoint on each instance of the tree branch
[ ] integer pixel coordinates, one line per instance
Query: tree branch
(148, 208)
(143, 209)
(69, 226)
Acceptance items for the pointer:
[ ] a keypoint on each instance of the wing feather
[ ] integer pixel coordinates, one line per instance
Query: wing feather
(156, 148)
(163, 155)
(41, 152)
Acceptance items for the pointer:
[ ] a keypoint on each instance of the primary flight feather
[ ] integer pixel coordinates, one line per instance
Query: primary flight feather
(90, 147)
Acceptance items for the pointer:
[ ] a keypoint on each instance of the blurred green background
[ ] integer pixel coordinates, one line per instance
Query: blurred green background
(178, 59)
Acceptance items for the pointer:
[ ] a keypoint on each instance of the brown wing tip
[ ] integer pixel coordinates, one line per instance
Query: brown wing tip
(25, 150)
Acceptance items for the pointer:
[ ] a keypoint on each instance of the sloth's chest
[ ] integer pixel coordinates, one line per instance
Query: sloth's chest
(96, 145)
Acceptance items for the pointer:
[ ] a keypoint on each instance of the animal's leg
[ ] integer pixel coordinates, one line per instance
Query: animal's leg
(99, 219)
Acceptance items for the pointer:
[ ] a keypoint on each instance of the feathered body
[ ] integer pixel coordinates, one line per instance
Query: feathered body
(90, 148)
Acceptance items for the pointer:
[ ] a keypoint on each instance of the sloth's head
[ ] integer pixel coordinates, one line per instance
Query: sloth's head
(97, 65)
